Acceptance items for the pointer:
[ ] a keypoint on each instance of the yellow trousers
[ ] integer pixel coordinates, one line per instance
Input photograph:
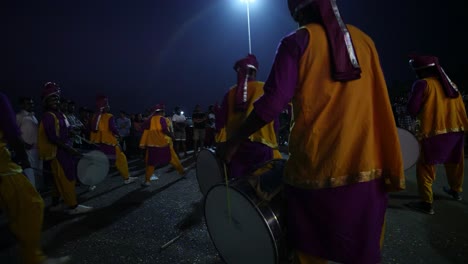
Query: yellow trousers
(175, 162)
(63, 186)
(425, 174)
(303, 258)
(24, 209)
(121, 163)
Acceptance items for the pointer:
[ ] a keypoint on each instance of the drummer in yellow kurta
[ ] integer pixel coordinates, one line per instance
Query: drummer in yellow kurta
(156, 139)
(19, 200)
(344, 148)
(58, 155)
(438, 105)
(104, 133)
(260, 147)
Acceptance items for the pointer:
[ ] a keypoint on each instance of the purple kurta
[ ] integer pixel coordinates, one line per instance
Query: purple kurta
(338, 224)
(66, 160)
(158, 156)
(439, 149)
(249, 156)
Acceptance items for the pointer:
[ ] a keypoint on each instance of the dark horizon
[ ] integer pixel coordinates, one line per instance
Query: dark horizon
(181, 53)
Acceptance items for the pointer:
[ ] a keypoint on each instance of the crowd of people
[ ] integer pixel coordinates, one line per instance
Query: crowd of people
(41, 154)
(325, 98)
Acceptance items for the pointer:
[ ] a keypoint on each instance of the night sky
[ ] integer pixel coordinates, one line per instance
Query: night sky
(181, 52)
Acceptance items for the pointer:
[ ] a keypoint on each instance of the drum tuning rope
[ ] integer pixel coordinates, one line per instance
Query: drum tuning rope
(228, 198)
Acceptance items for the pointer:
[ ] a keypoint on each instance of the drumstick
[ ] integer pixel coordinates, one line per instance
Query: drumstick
(87, 141)
(227, 193)
(172, 241)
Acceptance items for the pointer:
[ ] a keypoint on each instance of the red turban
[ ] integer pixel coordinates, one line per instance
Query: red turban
(101, 102)
(345, 65)
(50, 89)
(157, 108)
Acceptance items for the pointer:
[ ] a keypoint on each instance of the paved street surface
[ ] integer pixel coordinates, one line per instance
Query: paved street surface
(132, 223)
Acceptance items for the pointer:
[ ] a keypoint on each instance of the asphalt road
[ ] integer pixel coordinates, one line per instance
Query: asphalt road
(132, 223)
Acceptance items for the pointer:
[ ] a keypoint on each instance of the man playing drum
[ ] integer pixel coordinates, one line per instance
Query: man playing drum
(261, 146)
(158, 147)
(55, 149)
(104, 133)
(436, 102)
(344, 148)
(21, 203)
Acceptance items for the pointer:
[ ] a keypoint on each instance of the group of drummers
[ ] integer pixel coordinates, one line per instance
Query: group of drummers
(344, 153)
(21, 202)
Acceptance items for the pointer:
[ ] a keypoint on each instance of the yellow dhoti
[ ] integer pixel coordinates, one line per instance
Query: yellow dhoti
(24, 209)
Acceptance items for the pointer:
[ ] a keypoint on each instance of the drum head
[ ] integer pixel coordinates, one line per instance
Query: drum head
(246, 238)
(209, 170)
(409, 148)
(93, 168)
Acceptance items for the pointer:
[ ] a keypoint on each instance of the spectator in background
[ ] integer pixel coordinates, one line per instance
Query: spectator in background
(210, 127)
(136, 130)
(180, 123)
(199, 119)
(123, 125)
(76, 126)
(28, 125)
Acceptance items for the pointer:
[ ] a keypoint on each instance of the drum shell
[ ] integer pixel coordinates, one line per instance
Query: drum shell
(269, 212)
(409, 146)
(209, 170)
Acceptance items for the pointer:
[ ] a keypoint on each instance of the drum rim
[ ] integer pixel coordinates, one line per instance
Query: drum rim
(212, 152)
(273, 238)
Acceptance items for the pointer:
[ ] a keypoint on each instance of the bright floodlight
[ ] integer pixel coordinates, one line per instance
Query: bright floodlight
(251, 1)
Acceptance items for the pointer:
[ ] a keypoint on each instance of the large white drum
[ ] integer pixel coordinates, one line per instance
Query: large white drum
(209, 169)
(93, 168)
(409, 148)
(244, 228)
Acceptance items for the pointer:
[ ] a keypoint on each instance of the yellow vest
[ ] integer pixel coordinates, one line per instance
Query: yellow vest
(103, 134)
(47, 150)
(154, 136)
(342, 132)
(266, 135)
(440, 114)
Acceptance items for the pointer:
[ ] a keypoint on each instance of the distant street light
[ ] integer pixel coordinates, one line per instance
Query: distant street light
(247, 2)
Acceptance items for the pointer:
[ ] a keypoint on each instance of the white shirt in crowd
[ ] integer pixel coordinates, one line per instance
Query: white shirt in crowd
(28, 125)
(179, 118)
